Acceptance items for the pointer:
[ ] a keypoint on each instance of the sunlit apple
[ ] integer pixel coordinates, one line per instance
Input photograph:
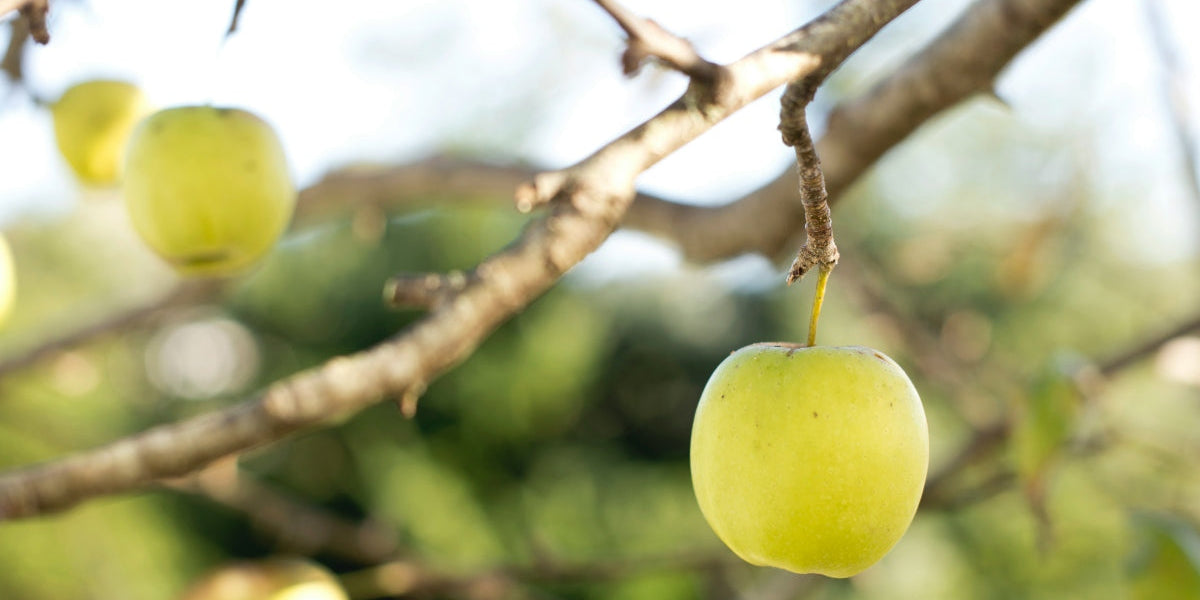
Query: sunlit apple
(8, 282)
(92, 123)
(208, 188)
(275, 579)
(810, 459)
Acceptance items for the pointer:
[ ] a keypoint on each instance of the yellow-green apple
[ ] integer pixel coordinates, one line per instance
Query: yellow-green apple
(8, 282)
(273, 579)
(207, 188)
(92, 122)
(810, 459)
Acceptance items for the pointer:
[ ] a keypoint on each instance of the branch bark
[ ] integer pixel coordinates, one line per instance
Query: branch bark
(34, 13)
(587, 202)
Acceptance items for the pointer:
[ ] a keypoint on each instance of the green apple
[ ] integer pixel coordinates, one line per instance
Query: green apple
(810, 459)
(8, 281)
(273, 579)
(92, 122)
(208, 188)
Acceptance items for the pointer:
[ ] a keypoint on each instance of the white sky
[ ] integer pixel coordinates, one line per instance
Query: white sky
(387, 81)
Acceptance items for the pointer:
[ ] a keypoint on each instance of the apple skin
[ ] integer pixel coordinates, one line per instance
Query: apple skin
(92, 122)
(207, 188)
(810, 459)
(271, 579)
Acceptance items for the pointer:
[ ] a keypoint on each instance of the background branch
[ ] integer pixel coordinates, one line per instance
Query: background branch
(238, 5)
(298, 528)
(411, 578)
(181, 295)
(1173, 90)
(14, 55)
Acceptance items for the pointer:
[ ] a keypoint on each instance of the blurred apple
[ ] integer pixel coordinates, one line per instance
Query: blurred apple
(8, 282)
(810, 459)
(273, 579)
(92, 122)
(208, 188)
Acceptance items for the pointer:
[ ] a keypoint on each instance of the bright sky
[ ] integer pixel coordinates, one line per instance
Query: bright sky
(385, 81)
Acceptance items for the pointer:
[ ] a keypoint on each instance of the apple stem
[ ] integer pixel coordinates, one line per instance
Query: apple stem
(823, 272)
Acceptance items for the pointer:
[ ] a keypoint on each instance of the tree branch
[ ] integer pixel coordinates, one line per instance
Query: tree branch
(1131, 356)
(590, 199)
(238, 5)
(819, 248)
(299, 528)
(962, 61)
(1174, 88)
(14, 55)
(34, 13)
(648, 39)
(410, 578)
(181, 295)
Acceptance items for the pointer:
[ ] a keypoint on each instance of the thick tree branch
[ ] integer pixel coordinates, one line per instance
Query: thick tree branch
(589, 200)
(14, 55)
(425, 290)
(34, 13)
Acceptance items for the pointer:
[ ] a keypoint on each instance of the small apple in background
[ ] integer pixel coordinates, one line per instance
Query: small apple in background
(92, 122)
(810, 459)
(208, 188)
(272, 579)
(8, 282)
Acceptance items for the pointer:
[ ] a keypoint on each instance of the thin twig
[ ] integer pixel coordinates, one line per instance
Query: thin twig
(297, 527)
(1123, 360)
(649, 39)
(237, 14)
(412, 578)
(588, 204)
(982, 444)
(181, 295)
(1173, 90)
(820, 248)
